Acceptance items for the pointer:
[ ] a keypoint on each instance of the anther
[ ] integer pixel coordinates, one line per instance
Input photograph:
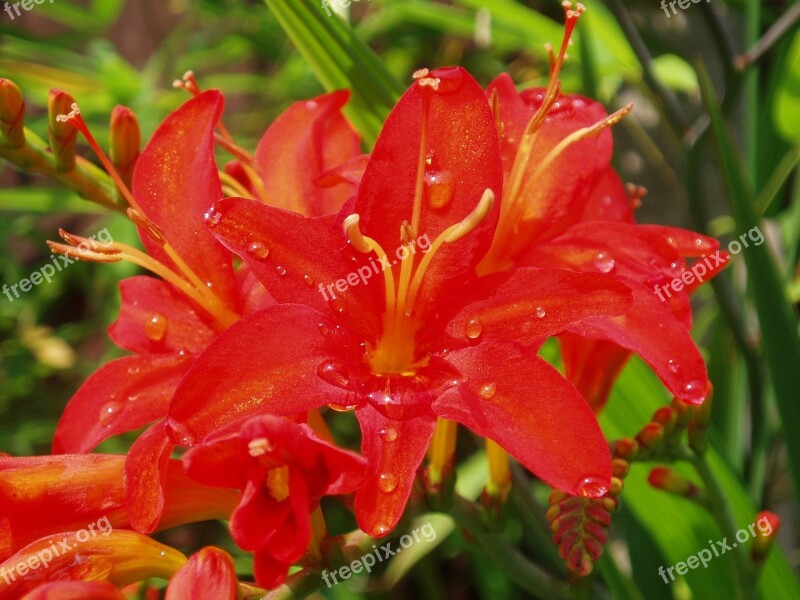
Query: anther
(473, 219)
(71, 115)
(150, 228)
(354, 235)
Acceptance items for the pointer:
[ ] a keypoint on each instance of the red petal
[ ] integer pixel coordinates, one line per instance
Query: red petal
(592, 366)
(394, 451)
(147, 305)
(75, 590)
(269, 572)
(464, 156)
(258, 517)
(527, 304)
(145, 476)
(608, 200)
(209, 573)
(267, 362)
(124, 395)
(176, 182)
(306, 140)
(296, 257)
(515, 398)
(560, 195)
(651, 330)
(218, 463)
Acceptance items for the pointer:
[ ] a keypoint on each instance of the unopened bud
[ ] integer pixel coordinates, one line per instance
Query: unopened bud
(651, 437)
(63, 133)
(767, 524)
(683, 412)
(698, 427)
(667, 417)
(12, 114)
(626, 448)
(669, 480)
(125, 141)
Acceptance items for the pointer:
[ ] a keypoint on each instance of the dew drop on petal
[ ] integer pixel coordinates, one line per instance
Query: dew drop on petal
(258, 250)
(181, 433)
(592, 487)
(488, 391)
(387, 483)
(440, 187)
(333, 372)
(213, 217)
(672, 366)
(323, 329)
(155, 327)
(474, 329)
(604, 262)
(308, 280)
(109, 412)
(381, 529)
(694, 391)
(388, 434)
(540, 312)
(337, 304)
(281, 271)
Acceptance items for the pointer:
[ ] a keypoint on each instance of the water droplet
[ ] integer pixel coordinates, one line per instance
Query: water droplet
(213, 217)
(337, 304)
(281, 271)
(323, 329)
(155, 327)
(474, 329)
(698, 242)
(335, 373)
(604, 262)
(694, 391)
(388, 434)
(671, 241)
(440, 187)
(109, 412)
(488, 391)
(381, 529)
(672, 366)
(540, 312)
(387, 483)
(258, 250)
(308, 280)
(181, 433)
(311, 104)
(592, 487)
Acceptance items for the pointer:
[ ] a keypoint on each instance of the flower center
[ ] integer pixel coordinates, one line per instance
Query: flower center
(395, 352)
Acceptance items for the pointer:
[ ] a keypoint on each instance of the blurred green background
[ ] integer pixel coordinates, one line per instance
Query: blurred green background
(108, 52)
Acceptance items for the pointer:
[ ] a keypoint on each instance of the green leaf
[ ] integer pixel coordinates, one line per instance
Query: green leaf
(340, 60)
(787, 98)
(675, 73)
(779, 327)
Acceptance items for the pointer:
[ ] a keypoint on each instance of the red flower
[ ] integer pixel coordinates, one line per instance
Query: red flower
(429, 340)
(283, 469)
(208, 574)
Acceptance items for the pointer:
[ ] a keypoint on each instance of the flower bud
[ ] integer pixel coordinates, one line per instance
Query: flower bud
(698, 427)
(767, 524)
(667, 417)
(626, 448)
(651, 437)
(12, 114)
(669, 480)
(125, 141)
(63, 134)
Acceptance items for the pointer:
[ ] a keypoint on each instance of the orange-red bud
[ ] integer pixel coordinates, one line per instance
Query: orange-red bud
(125, 141)
(671, 481)
(63, 134)
(698, 428)
(651, 436)
(767, 525)
(12, 113)
(208, 574)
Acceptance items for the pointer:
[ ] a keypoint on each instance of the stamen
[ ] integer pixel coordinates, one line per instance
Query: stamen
(81, 253)
(151, 229)
(354, 235)
(188, 83)
(499, 470)
(259, 447)
(234, 186)
(442, 449)
(366, 244)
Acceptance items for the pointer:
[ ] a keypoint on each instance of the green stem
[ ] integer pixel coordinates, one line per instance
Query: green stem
(297, 586)
(85, 179)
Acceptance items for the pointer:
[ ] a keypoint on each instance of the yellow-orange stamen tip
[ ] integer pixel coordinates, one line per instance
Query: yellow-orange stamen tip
(188, 83)
(473, 219)
(432, 82)
(85, 253)
(148, 226)
(71, 115)
(354, 235)
(420, 73)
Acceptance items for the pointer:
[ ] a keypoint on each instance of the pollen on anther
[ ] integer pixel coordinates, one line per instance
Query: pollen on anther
(432, 82)
(259, 447)
(420, 73)
(72, 114)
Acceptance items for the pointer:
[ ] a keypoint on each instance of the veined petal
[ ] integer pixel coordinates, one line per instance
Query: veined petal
(296, 257)
(123, 395)
(154, 319)
(75, 590)
(525, 305)
(651, 330)
(608, 200)
(145, 477)
(210, 573)
(176, 182)
(269, 360)
(592, 366)
(306, 140)
(394, 450)
(460, 161)
(119, 557)
(515, 398)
